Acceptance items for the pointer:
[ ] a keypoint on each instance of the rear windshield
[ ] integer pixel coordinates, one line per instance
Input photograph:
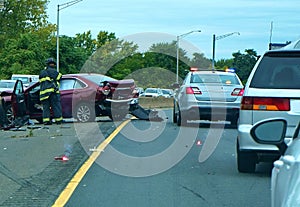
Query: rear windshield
(214, 78)
(151, 90)
(98, 78)
(278, 72)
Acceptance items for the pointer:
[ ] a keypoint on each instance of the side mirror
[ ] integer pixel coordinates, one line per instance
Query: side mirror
(270, 131)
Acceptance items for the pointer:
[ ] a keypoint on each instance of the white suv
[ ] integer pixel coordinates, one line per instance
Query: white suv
(272, 90)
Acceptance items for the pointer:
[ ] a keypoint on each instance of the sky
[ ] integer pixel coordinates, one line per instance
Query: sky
(239, 24)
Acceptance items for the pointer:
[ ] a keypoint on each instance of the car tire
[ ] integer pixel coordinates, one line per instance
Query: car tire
(181, 118)
(234, 122)
(9, 114)
(246, 161)
(84, 112)
(174, 114)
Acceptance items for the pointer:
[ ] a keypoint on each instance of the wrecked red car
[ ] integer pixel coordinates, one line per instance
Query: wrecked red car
(84, 96)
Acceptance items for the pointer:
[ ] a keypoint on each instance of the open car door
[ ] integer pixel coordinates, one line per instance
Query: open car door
(19, 105)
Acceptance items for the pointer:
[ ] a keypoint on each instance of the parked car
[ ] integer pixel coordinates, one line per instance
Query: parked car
(285, 179)
(84, 96)
(152, 92)
(167, 93)
(208, 95)
(26, 79)
(272, 90)
(140, 90)
(7, 85)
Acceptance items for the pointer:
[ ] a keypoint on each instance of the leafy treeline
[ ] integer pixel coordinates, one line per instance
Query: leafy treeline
(27, 39)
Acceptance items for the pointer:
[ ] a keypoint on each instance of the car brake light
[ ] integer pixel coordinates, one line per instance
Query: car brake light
(265, 104)
(106, 90)
(192, 90)
(237, 92)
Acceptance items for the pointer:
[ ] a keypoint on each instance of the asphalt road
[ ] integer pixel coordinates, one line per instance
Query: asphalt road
(160, 164)
(145, 164)
(29, 174)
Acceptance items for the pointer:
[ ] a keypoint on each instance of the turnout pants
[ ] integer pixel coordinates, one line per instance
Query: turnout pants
(3, 119)
(53, 102)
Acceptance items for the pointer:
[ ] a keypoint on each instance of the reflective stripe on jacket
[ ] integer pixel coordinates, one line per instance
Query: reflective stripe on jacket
(49, 82)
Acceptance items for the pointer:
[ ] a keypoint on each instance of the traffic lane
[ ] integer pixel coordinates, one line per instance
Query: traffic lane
(28, 172)
(214, 182)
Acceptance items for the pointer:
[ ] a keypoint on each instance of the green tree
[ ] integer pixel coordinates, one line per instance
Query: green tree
(224, 63)
(243, 63)
(72, 57)
(164, 55)
(22, 16)
(108, 55)
(199, 61)
(24, 36)
(90, 45)
(22, 55)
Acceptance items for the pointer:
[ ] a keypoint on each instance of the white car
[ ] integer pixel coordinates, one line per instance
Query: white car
(152, 92)
(167, 93)
(272, 90)
(285, 180)
(7, 85)
(27, 80)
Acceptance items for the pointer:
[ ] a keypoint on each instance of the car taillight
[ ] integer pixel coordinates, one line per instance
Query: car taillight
(265, 104)
(106, 90)
(192, 90)
(237, 92)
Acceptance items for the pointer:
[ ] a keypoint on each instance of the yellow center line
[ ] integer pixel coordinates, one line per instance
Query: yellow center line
(70, 188)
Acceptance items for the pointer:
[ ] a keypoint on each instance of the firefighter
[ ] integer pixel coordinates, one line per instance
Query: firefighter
(49, 93)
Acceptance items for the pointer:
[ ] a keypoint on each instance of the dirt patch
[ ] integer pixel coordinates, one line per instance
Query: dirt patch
(159, 102)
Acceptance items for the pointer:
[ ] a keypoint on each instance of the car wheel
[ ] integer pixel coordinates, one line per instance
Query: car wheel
(9, 114)
(246, 161)
(181, 119)
(84, 112)
(174, 114)
(234, 122)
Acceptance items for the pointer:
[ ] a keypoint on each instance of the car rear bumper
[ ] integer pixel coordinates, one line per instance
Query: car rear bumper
(123, 104)
(211, 112)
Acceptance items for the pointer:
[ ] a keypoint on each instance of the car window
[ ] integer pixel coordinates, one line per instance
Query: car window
(213, 78)
(68, 84)
(23, 79)
(151, 90)
(277, 73)
(98, 78)
(4, 84)
(19, 88)
(79, 84)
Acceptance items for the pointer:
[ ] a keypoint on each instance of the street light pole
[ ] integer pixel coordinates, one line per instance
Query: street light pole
(60, 7)
(214, 45)
(177, 50)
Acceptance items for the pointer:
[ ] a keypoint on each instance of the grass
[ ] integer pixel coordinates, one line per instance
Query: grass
(159, 102)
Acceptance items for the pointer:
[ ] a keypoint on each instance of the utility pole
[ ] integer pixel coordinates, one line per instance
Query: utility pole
(177, 50)
(61, 7)
(214, 45)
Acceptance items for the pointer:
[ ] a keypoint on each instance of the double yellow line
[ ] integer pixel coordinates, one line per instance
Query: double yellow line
(70, 188)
